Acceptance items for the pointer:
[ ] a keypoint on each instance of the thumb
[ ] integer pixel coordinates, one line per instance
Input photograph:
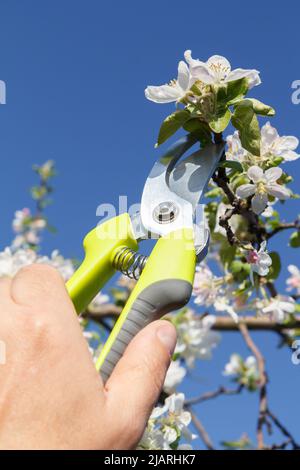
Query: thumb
(137, 380)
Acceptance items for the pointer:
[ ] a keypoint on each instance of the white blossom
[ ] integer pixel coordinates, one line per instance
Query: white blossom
(167, 423)
(153, 439)
(245, 371)
(195, 337)
(235, 151)
(175, 90)
(11, 262)
(206, 286)
(264, 184)
(279, 308)
(259, 261)
(174, 377)
(217, 70)
(27, 229)
(272, 145)
(177, 417)
(293, 282)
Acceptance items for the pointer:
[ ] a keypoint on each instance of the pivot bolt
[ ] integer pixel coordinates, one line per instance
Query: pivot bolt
(165, 212)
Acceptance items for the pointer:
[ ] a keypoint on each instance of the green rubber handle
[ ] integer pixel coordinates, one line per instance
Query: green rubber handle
(165, 285)
(100, 245)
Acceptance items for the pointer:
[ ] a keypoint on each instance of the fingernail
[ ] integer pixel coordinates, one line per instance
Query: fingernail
(167, 335)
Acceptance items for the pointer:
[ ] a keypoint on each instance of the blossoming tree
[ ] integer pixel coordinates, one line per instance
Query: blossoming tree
(235, 290)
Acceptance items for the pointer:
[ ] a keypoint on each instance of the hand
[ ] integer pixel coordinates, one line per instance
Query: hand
(51, 396)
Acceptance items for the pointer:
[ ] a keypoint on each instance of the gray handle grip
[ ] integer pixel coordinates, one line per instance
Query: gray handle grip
(152, 303)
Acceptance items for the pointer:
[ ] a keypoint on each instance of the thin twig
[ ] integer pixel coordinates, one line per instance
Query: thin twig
(263, 384)
(202, 431)
(214, 394)
(283, 226)
(283, 429)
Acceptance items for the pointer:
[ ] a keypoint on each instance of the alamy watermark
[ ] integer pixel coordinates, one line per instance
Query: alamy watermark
(2, 92)
(296, 93)
(296, 353)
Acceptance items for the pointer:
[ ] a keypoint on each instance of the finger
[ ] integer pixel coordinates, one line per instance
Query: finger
(137, 380)
(39, 285)
(5, 284)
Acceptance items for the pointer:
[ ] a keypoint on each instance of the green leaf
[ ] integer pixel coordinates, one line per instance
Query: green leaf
(171, 124)
(232, 164)
(295, 240)
(245, 121)
(232, 92)
(276, 266)
(220, 121)
(261, 108)
(200, 129)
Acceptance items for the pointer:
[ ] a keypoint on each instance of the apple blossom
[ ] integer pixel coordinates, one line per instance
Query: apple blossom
(195, 337)
(167, 423)
(217, 70)
(206, 285)
(272, 145)
(279, 308)
(174, 377)
(235, 151)
(264, 184)
(175, 90)
(293, 281)
(11, 262)
(245, 371)
(259, 261)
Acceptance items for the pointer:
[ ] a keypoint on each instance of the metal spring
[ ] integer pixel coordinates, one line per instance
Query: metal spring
(130, 262)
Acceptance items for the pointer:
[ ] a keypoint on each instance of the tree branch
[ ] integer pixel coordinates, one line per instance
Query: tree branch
(202, 431)
(284, 226)
(263, 404)
(214, 394)
(222, 323)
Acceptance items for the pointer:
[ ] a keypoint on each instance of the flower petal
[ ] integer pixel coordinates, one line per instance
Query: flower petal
(183, 75)
(290, 155)
(259, 203)
(287, 306)
(164, 93)
(219, 67)
(255, 173)
(273, 174)
(202, 73)
(251, 75)
(269, 135)
(277, 190)
(189, 59)
(245, 190)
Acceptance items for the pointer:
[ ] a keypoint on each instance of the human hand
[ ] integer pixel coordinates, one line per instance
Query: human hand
(51, 396)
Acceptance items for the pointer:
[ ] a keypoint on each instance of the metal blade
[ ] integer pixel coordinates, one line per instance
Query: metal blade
(173, 189)
(190, 177)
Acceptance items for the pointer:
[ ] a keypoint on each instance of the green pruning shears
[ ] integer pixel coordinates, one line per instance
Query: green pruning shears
(169, 207)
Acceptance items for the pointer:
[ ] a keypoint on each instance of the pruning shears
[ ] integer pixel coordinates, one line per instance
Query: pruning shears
(169, 207)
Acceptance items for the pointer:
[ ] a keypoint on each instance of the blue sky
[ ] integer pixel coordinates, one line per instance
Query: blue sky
(75, 73)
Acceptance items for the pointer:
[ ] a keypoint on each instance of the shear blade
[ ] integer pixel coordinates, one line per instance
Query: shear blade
(190, 177)
(178, 183)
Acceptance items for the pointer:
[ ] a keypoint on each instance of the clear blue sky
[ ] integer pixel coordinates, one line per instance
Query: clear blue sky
(75, 74)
